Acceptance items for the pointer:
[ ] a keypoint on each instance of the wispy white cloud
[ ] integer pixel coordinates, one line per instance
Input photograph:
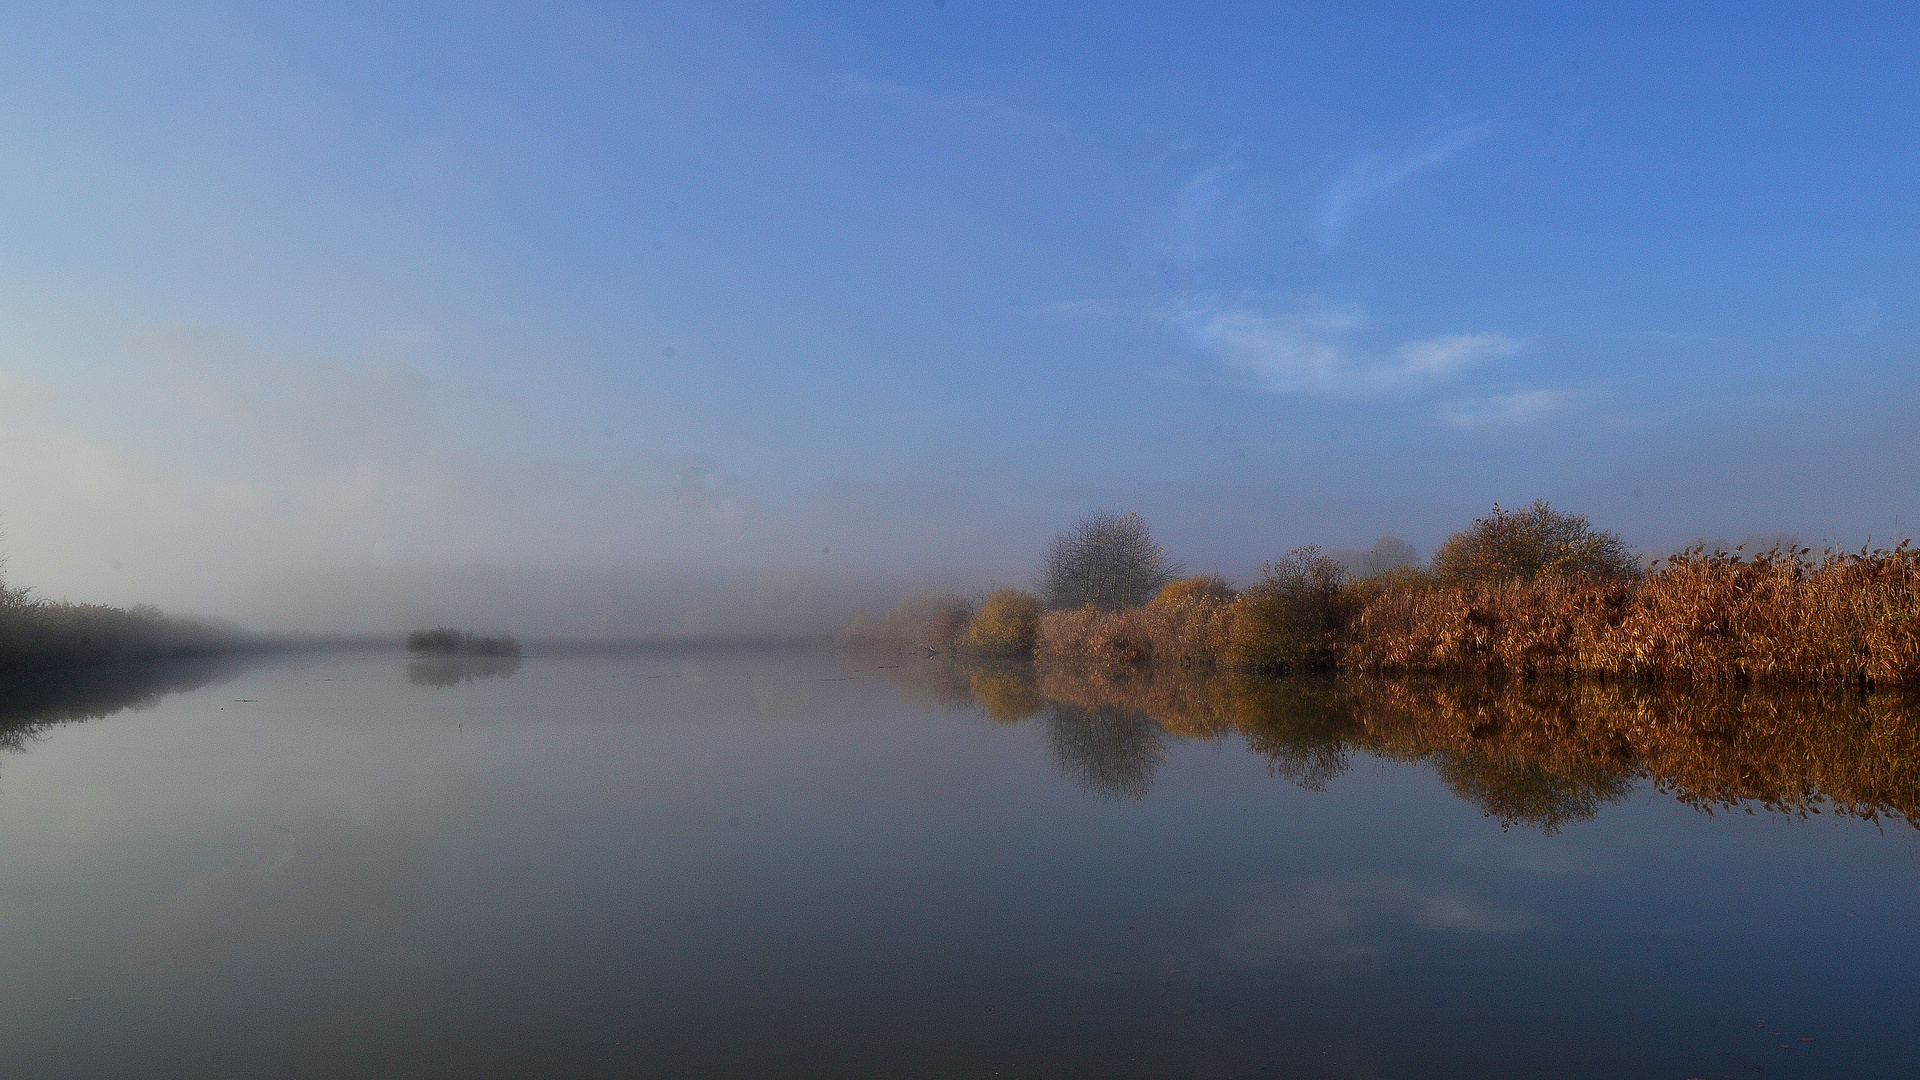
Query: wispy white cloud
(1375, 173)
(1446, 355)
(857, 85)
(1309, 349)
(1520, 409)
(1194, 210)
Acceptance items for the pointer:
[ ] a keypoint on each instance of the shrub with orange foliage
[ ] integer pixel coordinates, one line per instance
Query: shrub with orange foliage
(1202, 587)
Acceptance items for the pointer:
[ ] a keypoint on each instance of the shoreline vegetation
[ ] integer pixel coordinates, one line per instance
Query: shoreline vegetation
(37, 634)
(1533, 594)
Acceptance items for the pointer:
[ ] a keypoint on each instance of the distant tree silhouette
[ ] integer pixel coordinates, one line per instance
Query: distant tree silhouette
(1106, 561)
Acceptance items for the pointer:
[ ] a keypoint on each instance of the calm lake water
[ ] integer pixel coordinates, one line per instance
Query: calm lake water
(806, 863)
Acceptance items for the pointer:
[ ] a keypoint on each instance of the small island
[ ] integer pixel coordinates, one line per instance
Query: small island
(447, 641)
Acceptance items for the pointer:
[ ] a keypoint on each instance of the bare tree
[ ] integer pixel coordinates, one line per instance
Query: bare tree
(1105, 561)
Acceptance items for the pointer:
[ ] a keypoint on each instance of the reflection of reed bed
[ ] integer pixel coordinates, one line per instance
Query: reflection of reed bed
(1543, 753)
(33, 703)
(1790, 750)
(941, 682)
(1191, 707)
(1858, 753)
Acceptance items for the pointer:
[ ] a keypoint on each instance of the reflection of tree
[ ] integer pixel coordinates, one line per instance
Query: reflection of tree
(1110, 751)
(32, 703)
(1517, 790)
(1295, 725)
(1008, 696)
(454, 670)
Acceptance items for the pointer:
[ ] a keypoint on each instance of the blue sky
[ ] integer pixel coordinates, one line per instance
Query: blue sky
(292, 299)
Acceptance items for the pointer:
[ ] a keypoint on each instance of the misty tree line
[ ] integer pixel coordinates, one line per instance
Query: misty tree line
(1109, 561)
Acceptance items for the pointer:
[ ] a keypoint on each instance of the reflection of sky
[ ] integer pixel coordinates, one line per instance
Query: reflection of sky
(724, 863)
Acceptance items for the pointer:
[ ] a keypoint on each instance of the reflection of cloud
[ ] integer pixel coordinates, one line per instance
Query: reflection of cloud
(1305, 349)
(310, 879)
(1343, 924)
(1506, 410)
(1371, 175)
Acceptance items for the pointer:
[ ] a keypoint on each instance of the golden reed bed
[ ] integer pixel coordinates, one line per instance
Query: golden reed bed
(1716, 618)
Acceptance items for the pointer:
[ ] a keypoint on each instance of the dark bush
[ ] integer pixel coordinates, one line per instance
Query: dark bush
(446, 641)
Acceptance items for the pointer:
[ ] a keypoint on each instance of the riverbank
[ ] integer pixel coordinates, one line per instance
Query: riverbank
(1719, 618)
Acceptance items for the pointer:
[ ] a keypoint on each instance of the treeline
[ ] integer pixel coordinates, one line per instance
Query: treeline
(1529, 594)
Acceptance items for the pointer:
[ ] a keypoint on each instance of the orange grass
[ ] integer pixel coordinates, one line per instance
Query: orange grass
(1185, 631)
(1850, 618)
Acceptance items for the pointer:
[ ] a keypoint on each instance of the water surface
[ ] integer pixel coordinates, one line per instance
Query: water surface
(813, 864)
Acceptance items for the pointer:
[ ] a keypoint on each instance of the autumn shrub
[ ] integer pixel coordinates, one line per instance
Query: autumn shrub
(1522, 545)
(947, 621)
(1006, 624)
(1292, 619)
